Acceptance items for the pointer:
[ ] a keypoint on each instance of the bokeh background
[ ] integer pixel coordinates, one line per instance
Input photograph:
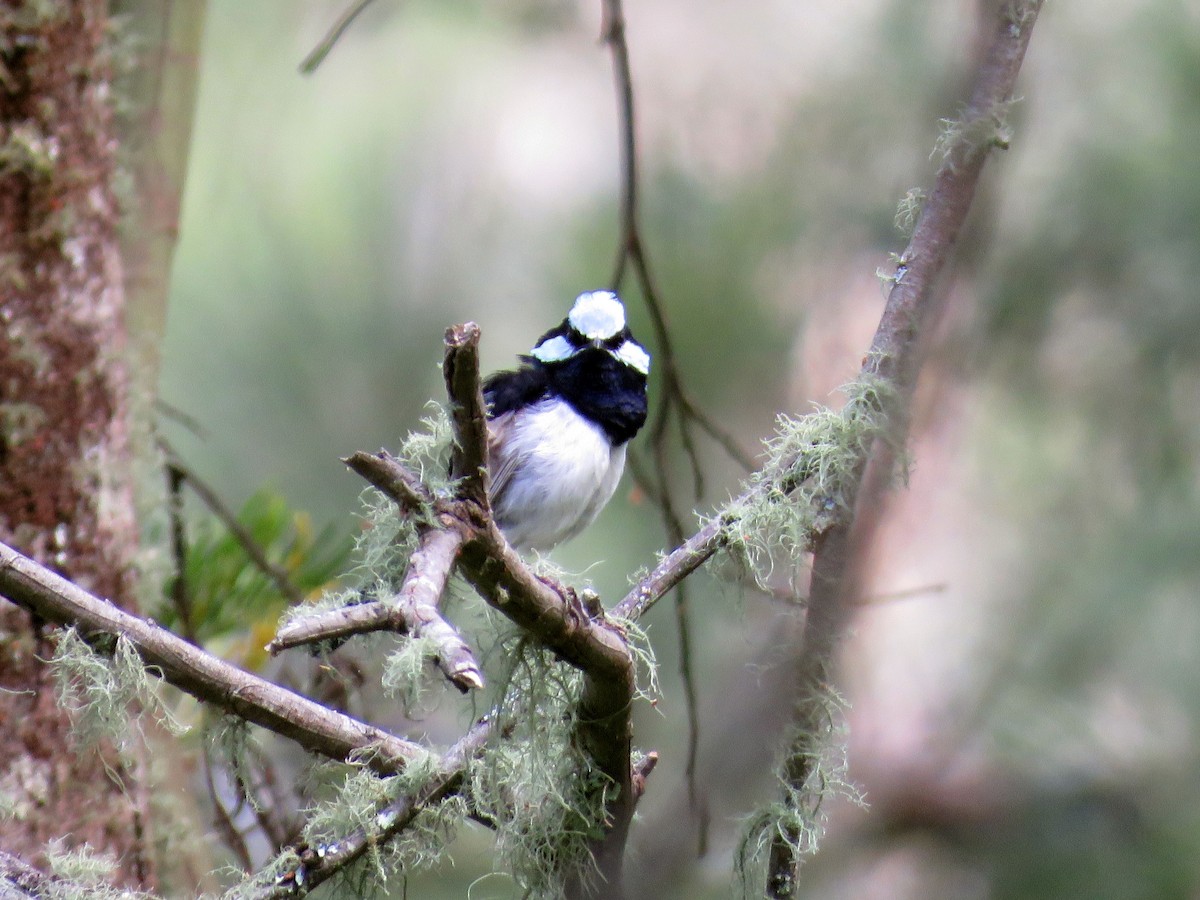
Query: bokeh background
(1023, 676)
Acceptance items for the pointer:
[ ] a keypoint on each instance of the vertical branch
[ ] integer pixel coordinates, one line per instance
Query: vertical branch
(180, 594)
(468, 459)
(895, 356)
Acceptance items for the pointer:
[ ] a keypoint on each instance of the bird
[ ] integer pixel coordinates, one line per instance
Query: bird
(559, 424)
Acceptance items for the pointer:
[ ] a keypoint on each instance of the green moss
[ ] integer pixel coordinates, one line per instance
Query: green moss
(230, 739)
(427, 451)
(28, 150)
(541, 791)
(19, 422)
(799, 816)
(909, 210)
(962, 137)
(351, 805)
(406, 671)
(807, 482)
(103, 690)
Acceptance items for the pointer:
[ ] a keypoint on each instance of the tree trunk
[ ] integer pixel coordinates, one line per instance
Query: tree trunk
(66, 493)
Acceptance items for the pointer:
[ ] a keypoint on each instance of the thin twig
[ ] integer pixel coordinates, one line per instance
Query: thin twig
(673, 400)
(180, 594)
(240, 533)
(319, 52)
(233, 839)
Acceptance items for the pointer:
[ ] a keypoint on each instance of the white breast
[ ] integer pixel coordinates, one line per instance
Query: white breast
(552, 473)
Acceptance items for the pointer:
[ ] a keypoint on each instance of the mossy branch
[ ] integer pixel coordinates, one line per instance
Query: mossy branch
(192, 670)
(312, 864)
(893, 359)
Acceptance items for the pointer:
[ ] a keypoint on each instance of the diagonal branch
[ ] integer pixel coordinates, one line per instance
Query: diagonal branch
(319, 864)
(181, 474)
(317, 55)
(400, 484)
(204, 676)
(413, 612)
(895, 356)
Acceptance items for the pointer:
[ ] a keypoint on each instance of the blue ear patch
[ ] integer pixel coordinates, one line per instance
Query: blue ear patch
(634, 355)
(554, 349)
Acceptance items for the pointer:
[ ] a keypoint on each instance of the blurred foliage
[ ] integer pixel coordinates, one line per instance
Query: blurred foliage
(234, 606)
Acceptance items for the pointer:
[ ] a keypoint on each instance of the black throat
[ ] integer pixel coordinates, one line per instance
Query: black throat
(603, 389)
(598, 386)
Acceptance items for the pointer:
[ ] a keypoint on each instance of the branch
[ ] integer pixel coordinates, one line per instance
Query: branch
(469, 457)
(895, 356)
(394, 479)
(549, 614)
(204, 676)
(319, 52)
(319, 864)
(675, 567)
(413, 612)
(19, 879)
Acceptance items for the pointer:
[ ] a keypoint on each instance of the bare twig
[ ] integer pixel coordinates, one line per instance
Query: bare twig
(319, 52)
(180, 595)
(675, 567)
(895, 356)
(338, 624)
(181, 473)
(201, 674)
(397, 482)
(469, 457)
(233, 839)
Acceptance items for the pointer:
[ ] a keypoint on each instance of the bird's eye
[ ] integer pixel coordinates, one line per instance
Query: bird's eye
(616, 341)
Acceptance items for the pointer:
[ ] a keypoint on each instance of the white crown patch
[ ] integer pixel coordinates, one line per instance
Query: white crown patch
(597, 315)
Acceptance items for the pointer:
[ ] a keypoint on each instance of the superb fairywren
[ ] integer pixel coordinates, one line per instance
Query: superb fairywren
(558, 426)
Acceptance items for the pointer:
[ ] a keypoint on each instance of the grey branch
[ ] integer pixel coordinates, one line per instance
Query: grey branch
(319, 864)
(398, 483)
(894, 355)
(413, 612)
(204, 676)
(18, 879)
(469, 458)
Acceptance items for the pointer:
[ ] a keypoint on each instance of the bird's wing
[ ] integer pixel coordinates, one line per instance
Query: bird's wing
(502, 464)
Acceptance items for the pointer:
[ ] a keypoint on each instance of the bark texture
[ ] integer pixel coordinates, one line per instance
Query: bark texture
(65, 489)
